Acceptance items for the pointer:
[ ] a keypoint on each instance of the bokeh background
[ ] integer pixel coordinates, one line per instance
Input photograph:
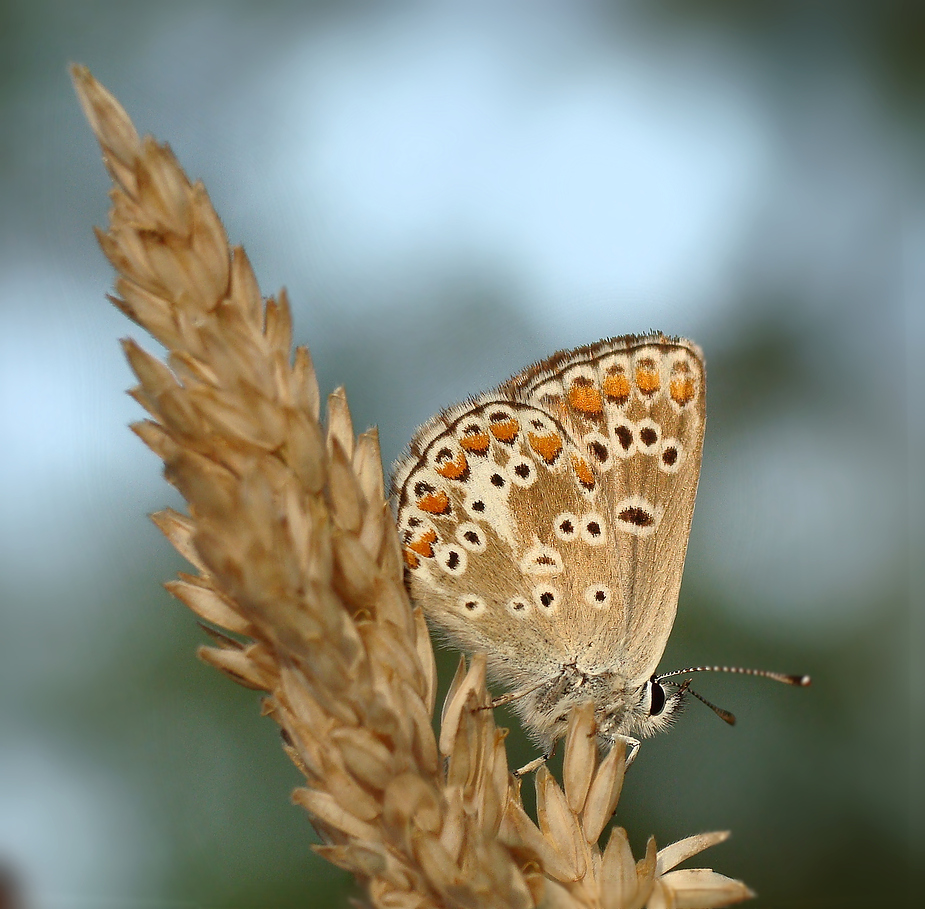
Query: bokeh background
(451, 190)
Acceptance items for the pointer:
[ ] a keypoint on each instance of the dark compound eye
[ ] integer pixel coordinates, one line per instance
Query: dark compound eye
(658, 699)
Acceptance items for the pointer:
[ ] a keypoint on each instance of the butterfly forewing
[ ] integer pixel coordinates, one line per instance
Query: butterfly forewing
(546, 522)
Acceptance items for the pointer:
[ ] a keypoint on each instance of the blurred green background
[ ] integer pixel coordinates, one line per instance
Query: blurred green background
(451, 190)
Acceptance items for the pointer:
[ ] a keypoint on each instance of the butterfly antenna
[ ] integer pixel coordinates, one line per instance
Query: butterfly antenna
(800, 681)
(725, 715)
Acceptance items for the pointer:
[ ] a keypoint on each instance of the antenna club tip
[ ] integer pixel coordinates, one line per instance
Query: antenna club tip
(804, 681)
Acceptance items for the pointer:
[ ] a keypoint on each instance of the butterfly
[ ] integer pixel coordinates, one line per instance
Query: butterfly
(546, 522)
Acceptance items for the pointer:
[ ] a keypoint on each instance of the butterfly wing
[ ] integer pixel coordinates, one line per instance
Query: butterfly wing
(636, 407)
(476, 500)
(546, 522)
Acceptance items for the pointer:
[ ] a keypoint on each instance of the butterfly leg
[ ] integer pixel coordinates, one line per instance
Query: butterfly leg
(503, 699)
(632, 749)
(536, 763)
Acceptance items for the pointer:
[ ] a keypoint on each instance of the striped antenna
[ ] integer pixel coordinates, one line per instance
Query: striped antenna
(727, 716)
(799, 680)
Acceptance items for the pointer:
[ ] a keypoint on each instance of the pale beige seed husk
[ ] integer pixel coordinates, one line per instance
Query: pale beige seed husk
(604, 792)
(199, 596)
(560, 824)
(687, 848)
(578, 767)
(299, 562)
(618, 871)
(697, 888)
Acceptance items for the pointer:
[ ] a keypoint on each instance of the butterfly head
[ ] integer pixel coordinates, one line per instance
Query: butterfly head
(660, 704)
(643, 711)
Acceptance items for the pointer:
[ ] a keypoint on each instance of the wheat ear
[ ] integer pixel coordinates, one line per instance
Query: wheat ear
(300, 581)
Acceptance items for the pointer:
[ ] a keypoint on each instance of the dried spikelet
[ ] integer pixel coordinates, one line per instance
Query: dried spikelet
(298, 555)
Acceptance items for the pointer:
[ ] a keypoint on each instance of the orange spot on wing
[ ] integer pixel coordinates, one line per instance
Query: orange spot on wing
(683, 388)
(547, 447)
(435, 502)
(585, 397)
(583, 472)
(477, 442)
(647, 377)
(423, 545)
(411, 559)
(505, 430)
(617, 387)
(455, 468)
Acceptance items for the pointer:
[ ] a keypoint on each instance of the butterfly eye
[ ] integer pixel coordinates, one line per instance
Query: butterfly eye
(657, 694)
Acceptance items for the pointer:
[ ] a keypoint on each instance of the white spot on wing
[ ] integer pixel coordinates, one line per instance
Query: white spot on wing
(541, 560)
